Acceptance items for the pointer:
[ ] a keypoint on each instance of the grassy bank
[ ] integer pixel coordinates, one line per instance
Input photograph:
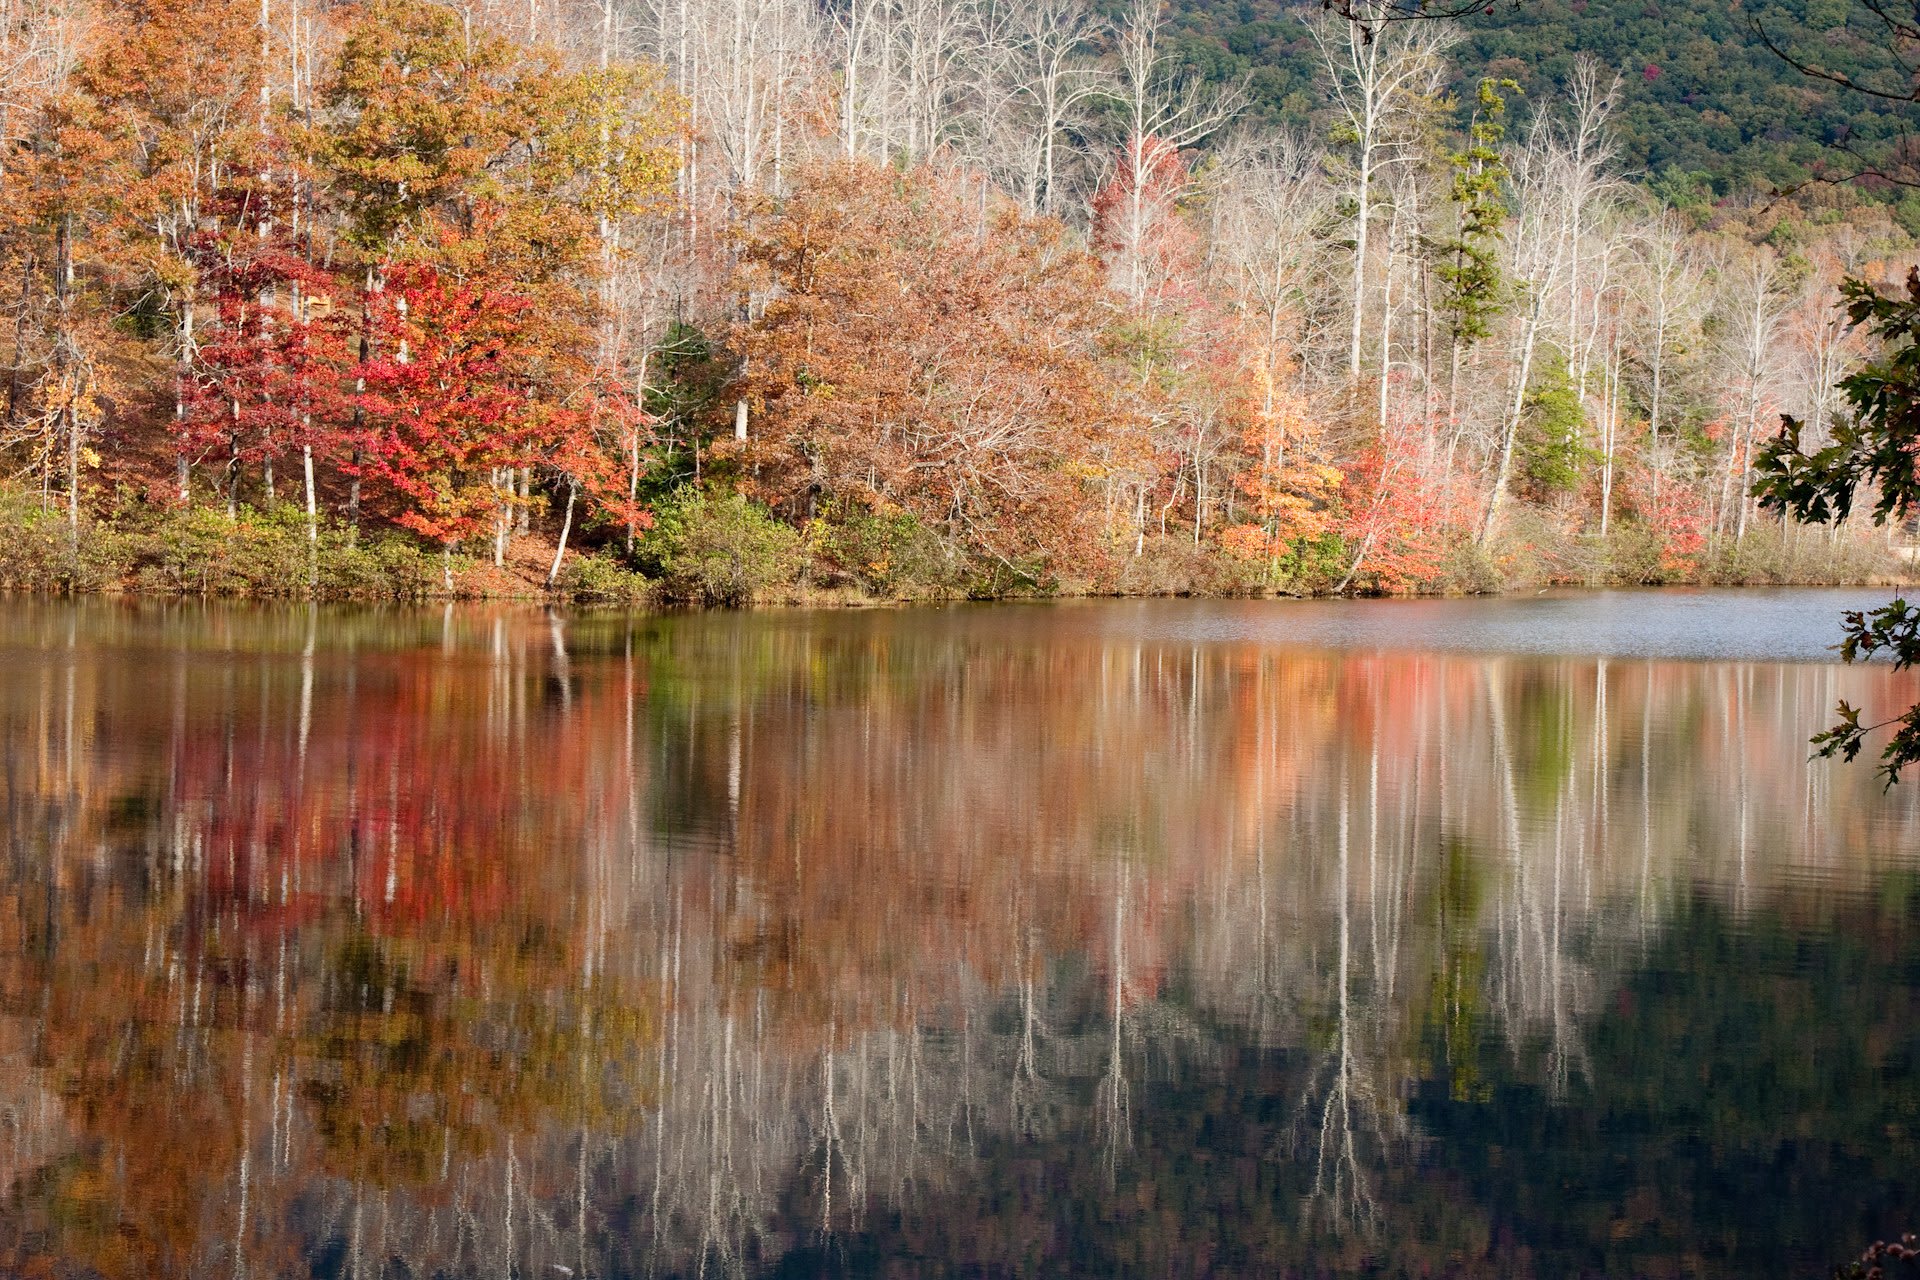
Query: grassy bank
(723, 551)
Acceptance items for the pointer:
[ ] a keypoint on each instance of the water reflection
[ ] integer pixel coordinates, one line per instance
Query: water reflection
(495, 943)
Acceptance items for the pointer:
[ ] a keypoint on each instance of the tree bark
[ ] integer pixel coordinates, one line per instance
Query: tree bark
(566, 527)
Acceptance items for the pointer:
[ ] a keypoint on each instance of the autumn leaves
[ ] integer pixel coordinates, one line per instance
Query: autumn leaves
(388, 266)
(1021, 297)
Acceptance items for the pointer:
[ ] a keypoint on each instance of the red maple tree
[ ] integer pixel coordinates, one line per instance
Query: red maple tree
(447, 402)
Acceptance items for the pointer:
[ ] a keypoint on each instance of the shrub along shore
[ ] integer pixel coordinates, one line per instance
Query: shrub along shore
(723, 550)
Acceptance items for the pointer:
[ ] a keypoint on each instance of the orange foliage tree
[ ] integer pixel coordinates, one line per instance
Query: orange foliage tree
(489, 179)
(1288, 486)
(926, 348)
(1396, 518)
(179, 85)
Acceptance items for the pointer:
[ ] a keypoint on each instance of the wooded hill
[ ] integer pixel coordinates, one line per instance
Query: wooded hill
(1706, 108)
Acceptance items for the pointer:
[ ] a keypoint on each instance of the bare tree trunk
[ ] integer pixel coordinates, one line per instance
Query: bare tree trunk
(1386, 318)
(20, 319)
(73, 475)
(372, 286)
(1366, 545)
(1503, 474)
(1363, 215)
(503, 479)
(72, 373)
(182, 378)
(566, 527)
(1611, 430)
(313, 517)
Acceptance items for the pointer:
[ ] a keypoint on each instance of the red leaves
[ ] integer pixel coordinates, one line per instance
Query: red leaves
(268, 378)
(1679, 515)
(1149, 249)
(463, 386)
(1398, 518)
(446, 398)
(610, 430)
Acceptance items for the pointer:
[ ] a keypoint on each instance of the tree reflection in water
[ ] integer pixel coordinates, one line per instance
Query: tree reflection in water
(497, 943)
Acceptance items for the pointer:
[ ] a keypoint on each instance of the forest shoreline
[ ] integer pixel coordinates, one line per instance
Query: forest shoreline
(204, 553)
(422, 302)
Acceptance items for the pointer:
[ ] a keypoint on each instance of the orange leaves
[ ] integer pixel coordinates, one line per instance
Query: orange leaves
(1285, 479)
(424, 104)
(180, 83)
(925, 347)
(1398, 516)
(1679, 515)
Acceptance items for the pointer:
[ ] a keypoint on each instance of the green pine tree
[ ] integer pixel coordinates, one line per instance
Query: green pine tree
(1469, 261)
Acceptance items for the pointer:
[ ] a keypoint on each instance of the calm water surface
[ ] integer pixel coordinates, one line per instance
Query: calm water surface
(1488, 938)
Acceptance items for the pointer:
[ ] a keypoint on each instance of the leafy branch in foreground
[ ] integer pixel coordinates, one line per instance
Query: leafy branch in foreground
(1879, 448)
(1872, 1264)
(1895, 630)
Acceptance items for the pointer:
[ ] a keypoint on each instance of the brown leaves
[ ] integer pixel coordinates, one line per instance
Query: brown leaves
(926, 347)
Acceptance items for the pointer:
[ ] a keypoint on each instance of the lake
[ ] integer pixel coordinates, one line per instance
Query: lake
(1472, 938)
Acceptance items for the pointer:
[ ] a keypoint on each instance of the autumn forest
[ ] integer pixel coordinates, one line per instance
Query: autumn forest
(724, 300)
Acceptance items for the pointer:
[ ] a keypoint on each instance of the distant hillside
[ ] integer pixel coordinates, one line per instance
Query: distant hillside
(1705, 103)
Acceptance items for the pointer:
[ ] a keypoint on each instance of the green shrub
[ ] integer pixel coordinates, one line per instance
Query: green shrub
(891, 555)
(1313, 566)
(1538, 546)
(270, 555)
(204, 551)
(1175, 565)
(1466, 568)
(599, 578)
(39, 551)
(1795, 555)
(1636, 556)
(376, 566)
(717, 549)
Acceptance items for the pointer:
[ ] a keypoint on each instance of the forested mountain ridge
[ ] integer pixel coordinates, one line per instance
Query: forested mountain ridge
(1706, 107)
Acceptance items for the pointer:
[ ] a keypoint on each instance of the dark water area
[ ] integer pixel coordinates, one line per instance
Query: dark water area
(1459, 938)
